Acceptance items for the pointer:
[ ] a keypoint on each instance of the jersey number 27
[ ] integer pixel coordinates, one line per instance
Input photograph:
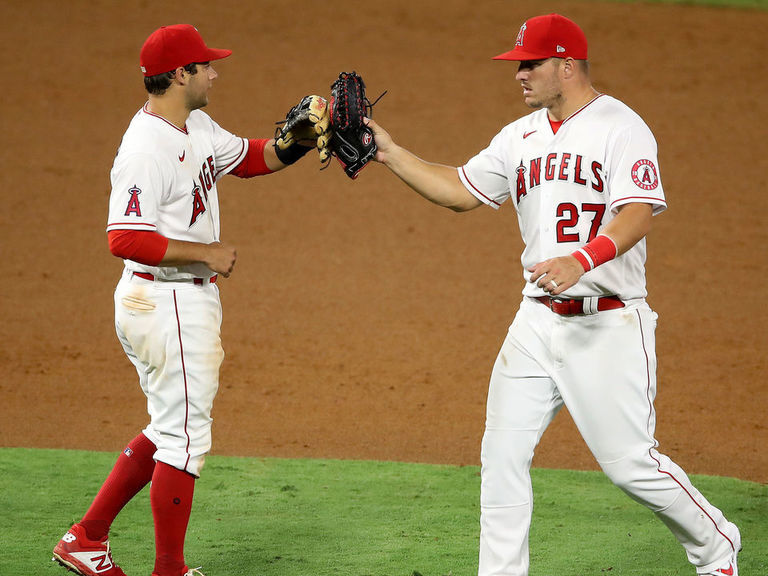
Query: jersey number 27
(568, 215)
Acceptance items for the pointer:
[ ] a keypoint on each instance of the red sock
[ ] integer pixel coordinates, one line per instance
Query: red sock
(171, 499)
(132, 471)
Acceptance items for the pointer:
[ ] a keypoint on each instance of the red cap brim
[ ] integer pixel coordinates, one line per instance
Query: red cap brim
(218, 53)
(520, 55)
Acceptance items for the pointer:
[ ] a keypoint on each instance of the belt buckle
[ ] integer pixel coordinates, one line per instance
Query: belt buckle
(567, 306)
(553, 302)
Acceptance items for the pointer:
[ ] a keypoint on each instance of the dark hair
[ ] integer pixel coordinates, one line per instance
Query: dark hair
(159, 83)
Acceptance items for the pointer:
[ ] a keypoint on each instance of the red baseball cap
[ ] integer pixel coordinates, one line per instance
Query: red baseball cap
(550, 36)
(169, 47)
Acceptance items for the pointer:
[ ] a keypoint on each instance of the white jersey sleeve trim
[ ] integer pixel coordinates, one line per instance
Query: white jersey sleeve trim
(658, 204)
(131, 226)
(474, 191)
(236, 162)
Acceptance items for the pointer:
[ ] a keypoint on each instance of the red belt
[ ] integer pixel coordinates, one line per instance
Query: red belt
(197, 281)
(576, 307)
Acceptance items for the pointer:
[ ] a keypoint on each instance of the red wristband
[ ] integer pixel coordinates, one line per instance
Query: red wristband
(599, 251)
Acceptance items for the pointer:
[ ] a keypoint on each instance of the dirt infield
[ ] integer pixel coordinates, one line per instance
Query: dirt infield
(362, 322)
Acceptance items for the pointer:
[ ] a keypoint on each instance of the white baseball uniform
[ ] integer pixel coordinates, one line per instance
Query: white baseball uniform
(566, 185)
(168, 318)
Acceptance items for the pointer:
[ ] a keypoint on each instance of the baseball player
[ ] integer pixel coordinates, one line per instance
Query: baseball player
(582, 173)
(164, 223)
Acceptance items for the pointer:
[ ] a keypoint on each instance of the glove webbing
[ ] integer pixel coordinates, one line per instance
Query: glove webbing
(344, 120)
(366, 105)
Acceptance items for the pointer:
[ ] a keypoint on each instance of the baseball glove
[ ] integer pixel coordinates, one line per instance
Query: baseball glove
(306, 126)
(352, 141)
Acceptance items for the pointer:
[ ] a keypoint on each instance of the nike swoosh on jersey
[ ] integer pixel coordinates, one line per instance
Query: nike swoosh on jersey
(526, 134)
(183, 154)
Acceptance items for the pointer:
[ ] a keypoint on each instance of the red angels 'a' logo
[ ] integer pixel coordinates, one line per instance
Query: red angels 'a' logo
(133, 202)
(644, 175)
(521, 35)
(366, 138)
(198, 206)
(520, 189)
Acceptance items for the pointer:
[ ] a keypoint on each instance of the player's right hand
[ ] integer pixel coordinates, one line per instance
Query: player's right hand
(221, 258)
(556, 275)
(383, 140)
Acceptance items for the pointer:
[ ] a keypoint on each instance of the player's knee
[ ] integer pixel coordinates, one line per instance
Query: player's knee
(624, 475)
(639, 476)
(506, 460)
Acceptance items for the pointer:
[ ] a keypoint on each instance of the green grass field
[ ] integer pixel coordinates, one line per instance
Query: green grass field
(328, 517)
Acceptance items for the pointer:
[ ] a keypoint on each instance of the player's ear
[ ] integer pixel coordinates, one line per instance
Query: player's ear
(180, 75)
(569, 67)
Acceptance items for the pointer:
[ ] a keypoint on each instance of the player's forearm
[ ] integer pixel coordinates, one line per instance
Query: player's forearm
(180, 252)
(437, 183)
(217, 256)
(631, 224)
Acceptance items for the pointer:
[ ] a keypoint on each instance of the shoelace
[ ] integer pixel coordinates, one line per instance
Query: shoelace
(194, 572)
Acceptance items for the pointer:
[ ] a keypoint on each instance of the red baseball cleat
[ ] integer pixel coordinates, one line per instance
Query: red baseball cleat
(83, 556)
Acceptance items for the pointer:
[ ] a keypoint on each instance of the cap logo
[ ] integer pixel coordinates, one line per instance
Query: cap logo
(560, 49)
(521, 35)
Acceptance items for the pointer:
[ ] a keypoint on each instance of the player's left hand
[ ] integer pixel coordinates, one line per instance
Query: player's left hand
(556, 275)
(308, 124)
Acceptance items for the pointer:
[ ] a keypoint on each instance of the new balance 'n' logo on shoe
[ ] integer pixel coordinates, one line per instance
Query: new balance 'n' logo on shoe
(85, 557)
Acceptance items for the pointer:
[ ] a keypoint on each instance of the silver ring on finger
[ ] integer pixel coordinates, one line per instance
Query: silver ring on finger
(553, 283)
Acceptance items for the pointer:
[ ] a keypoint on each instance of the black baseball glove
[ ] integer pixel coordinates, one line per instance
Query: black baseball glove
(306, 126)
(351, 140)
